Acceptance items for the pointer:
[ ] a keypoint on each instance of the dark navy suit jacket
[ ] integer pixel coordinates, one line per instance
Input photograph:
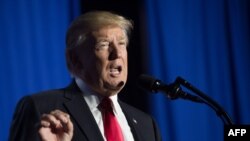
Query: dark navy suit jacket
(70, 100)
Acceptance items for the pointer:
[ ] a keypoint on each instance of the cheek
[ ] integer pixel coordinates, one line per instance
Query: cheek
(126, 60)
(101, 60)
(100, 66)
(89, 66)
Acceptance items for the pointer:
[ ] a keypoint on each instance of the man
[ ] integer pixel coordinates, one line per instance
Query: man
(97, 59)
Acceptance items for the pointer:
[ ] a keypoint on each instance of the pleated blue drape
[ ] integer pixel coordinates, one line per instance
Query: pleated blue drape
(207, 42)
(32, 43)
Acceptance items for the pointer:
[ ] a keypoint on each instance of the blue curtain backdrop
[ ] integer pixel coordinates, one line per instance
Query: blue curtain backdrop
(207, 42)
(32, 42)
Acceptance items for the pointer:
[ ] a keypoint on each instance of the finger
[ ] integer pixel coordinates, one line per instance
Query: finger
(44, 123)
(69, 127)
(52, 120)
(63, 117)
(65, 120)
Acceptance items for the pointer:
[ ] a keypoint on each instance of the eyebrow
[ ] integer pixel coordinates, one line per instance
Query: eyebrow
(104, 39)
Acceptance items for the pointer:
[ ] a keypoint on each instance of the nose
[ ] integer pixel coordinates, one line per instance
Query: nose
(115, 52)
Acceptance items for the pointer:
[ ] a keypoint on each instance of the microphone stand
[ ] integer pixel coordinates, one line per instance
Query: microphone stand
(207, 100)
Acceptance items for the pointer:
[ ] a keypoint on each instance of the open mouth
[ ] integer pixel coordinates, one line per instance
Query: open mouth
(115, 70)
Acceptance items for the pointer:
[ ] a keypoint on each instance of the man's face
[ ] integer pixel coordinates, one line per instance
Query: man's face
(104, 60)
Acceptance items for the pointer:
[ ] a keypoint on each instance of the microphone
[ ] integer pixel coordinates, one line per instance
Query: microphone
(172, 91)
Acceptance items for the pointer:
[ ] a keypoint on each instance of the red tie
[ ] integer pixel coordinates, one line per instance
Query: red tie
(112, 130)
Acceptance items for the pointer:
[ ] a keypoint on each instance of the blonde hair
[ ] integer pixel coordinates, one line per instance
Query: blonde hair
(94, 20)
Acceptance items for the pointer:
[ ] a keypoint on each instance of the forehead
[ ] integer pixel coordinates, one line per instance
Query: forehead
(110, 32)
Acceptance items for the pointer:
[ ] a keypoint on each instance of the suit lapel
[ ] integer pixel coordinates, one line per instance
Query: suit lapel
(132, 121)
(80, 111)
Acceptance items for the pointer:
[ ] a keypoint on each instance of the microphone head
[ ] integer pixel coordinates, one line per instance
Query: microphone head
(172, 91)
(149, 83)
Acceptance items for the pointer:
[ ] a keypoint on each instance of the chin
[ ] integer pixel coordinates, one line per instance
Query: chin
(117, 86)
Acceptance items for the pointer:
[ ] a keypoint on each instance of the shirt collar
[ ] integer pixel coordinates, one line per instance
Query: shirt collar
(93, 99)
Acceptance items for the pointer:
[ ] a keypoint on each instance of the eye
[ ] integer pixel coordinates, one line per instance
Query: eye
(102, 45)
(122, 43)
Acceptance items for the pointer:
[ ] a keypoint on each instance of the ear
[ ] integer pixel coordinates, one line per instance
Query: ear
(73, 62)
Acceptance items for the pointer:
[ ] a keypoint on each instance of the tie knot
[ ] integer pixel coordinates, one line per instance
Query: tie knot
(106, 105)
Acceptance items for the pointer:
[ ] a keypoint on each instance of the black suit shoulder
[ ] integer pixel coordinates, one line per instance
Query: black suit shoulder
(49, 100)
(141, 123)
(28, 111)
(25, 121)
(134, 111)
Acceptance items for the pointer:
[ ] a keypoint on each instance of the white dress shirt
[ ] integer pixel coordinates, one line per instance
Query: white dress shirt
(93, 100)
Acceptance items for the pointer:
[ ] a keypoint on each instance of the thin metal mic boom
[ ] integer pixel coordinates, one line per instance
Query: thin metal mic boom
(174, 91)
(218, 109)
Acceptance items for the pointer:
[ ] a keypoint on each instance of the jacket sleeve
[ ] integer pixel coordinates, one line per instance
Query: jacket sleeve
(24, 126)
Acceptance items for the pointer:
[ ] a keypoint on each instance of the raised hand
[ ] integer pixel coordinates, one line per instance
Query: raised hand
(56, 126)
